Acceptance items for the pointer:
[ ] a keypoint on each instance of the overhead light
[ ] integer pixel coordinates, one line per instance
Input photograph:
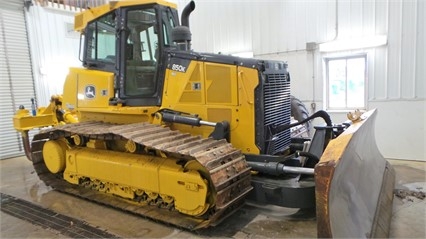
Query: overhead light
(354, 43)
(247, 54)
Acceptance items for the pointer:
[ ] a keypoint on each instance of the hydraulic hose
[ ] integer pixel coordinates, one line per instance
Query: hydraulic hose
(321, 113)
(308, 155)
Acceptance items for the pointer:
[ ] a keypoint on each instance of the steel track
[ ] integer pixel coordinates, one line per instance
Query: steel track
(228, 172)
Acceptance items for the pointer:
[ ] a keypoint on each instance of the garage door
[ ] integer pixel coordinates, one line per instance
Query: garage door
(16, 81)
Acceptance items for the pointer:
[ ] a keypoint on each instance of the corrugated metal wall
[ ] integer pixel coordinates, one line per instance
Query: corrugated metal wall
(16, 82)
(406, 62)
(260, 26)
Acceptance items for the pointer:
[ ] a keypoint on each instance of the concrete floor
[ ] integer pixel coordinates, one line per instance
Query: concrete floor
(19, 180)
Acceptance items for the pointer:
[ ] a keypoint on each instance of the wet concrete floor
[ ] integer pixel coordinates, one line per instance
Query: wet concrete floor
(19, 180)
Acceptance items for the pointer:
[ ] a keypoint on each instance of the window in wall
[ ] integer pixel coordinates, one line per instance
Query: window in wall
(346, 80)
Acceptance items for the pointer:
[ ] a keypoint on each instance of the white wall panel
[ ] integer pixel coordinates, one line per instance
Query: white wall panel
(394, 53)
(381, 15)
(368, 12)
(408, 49)
(263, 27)
(420, 58)
(54, 48)
(400, 129)
(378, 83)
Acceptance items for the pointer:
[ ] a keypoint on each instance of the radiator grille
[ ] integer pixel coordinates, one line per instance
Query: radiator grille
(277, 109)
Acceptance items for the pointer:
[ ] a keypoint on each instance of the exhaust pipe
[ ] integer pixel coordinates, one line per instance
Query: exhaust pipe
(184, 19)
(181, 34)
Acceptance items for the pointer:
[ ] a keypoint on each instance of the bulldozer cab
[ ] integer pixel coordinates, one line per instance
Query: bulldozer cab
(129, 43)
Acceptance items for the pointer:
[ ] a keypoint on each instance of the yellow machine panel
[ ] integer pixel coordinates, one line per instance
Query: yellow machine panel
(24, 121)
(217, 92)
(185, 87)
(137, 174)
(243, 134)
(94, 88)
(87, 88)
(221, 84)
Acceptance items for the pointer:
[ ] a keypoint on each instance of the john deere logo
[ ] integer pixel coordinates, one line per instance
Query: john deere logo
(90, 91)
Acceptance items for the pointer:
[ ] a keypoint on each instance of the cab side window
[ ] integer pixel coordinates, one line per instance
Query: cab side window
(101, 38)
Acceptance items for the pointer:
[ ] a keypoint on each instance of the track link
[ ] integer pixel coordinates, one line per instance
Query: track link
(226, 167)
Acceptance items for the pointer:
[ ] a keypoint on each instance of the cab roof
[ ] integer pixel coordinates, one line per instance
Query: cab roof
(81, 19)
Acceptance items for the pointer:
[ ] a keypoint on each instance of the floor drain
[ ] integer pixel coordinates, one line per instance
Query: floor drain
(47, 218)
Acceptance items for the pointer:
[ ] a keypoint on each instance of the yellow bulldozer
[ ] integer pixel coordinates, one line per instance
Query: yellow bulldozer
(149, 126)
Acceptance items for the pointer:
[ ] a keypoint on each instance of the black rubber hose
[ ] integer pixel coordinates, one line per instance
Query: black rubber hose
(308, 155)
(321, 113)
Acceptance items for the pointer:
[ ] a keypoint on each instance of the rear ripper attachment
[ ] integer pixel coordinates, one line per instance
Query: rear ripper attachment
(162, 174)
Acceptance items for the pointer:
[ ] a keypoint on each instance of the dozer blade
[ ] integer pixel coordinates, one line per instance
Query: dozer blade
(354, 185)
